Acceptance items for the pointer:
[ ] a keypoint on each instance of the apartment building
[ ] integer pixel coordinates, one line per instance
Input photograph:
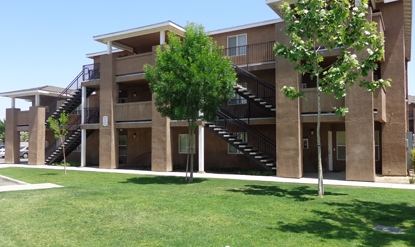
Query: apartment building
(115, 123)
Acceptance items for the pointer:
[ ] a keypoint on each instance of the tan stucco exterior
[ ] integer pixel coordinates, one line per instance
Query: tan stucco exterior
(152, 142)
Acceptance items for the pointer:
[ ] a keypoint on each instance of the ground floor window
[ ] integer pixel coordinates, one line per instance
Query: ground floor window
(341, 145)
(184, 141)
(122, 145)
(240, 135)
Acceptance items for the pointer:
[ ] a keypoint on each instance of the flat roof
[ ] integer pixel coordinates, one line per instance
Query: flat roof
(24, 93)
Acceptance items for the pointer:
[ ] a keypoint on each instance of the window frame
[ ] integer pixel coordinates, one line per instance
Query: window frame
(122, 145)
(341, 145)
(179, 147)
(238, 99)
(239, 135)
(238, 47)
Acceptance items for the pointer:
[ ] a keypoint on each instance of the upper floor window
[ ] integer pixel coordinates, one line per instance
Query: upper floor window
(237, 45)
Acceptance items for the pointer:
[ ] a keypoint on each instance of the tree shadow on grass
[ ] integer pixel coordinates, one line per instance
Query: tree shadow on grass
(355, 221)
(49, 174)
(298, 193)
(162, 180)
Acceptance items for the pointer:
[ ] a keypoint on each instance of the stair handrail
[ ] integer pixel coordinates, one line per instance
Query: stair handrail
(64, 94)
(52, 146)
(252, 76)
(75, 124)
(256, 139)
(227, 115)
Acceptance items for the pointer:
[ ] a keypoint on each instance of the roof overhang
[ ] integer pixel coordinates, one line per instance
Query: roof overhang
(252, 25)
(407, 15)
(139, 31)
(29, 93)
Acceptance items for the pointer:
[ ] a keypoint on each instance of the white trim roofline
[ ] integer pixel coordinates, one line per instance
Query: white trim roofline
(167, 25)
(246, 26)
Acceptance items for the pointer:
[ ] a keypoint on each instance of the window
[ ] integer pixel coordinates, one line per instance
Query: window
(184, 144)
(237, 45)
(122, 100)
(241, 136)
(341, 145)
(377, 153)
(122, 145)
(78, 148)
(238, 99)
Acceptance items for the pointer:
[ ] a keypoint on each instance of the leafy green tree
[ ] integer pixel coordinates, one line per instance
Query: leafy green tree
(2, 130)
(315, 25)
(190, 79)
(59, 127)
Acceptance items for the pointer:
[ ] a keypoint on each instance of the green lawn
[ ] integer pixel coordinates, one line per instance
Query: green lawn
(102, 209)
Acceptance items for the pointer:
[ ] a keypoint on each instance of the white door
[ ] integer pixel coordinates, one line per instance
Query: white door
(330, 150)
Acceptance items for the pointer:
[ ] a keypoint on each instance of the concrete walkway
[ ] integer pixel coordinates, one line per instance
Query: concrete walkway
(304, 180)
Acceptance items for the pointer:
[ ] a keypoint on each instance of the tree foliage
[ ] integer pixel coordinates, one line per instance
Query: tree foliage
(59, 128)
(317, 25)
(190, 79)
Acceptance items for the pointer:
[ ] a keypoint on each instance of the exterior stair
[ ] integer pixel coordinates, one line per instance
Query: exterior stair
(72, 101)
(258, 147)
(255, 89)
(54, 152)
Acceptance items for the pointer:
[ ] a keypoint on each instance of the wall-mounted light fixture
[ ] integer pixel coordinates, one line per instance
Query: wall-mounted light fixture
(134, 135)
(135, 94)
(312, 131)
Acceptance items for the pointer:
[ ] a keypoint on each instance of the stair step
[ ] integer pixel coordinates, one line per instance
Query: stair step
(257, 99)
(262, 102)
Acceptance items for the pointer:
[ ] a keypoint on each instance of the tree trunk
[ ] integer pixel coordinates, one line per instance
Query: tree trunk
(320, 165)
(64, 156)
(191, 135)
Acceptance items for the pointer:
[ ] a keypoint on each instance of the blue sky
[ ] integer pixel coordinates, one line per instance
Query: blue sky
(44, 42)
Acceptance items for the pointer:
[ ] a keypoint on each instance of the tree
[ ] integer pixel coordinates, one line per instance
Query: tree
(2, 130)
(59, 127)
(190, 79)
(314, 25)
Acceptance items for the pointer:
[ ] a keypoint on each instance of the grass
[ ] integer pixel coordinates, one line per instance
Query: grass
(104, 209)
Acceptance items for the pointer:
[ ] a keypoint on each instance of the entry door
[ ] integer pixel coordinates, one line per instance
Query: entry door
(330, 150)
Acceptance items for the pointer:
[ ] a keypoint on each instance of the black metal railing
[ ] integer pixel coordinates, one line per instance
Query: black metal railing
(247, 109)
(92, 116)
(256, 139)
(255, 85)
(91, 72)
(70, 128)
(84, 75)
(250, 54)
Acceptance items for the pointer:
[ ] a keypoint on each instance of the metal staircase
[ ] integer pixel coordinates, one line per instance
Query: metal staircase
(54, 151)
(260, 102)
(257, 146)
(255, 89)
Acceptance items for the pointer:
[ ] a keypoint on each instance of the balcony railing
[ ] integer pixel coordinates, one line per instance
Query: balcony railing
(250, 54)
(91, 72)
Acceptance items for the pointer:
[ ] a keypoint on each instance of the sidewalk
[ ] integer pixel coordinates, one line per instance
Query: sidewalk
(304, 180)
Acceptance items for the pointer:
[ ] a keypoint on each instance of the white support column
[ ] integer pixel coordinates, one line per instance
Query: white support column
(83, 131)
(201, 148)
(162, 37)
(37, 100)
(109, 47)
(13, 103)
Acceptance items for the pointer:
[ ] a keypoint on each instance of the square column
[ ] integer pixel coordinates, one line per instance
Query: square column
(360, 131)
(108, 136)
(12, 144)
(288, 121)
(37, 130)
(160, 142)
